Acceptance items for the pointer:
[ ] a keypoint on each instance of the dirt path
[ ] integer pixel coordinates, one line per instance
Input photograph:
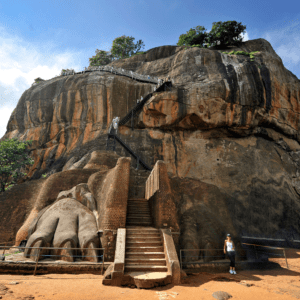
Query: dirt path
(280, 283)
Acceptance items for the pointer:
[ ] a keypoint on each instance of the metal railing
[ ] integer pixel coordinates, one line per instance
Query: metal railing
(217, 258)
(269, 251)
(117, 71)
(39, 255)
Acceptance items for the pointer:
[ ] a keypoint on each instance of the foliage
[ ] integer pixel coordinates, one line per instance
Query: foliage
(66, 70)
(251, 54)
(195, 36)
(226, 33)
(222, 34)
(101, 58)
(13, 157)
(39, 79)
(44, 175)
(122, 47)
(141, 52)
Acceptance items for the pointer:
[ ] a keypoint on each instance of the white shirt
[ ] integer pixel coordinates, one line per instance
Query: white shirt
(229, 246)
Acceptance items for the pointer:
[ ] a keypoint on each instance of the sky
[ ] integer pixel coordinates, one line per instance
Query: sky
(40, 38)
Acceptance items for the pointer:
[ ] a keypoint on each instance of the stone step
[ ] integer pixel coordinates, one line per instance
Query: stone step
(138, 199)
(144, 243)
(139, 218)
(135, 213)
(148, 230)
(143, 236)
(138, 207)
(138, 268)
(145, 249)
(142, 239)
(150, 261)
(140, 204)
(144, 255)
(138, 224)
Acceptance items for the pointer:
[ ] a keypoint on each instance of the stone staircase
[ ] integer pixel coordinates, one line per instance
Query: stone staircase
(144, 250)
(138, 213)
(140, 258)
(137, 183)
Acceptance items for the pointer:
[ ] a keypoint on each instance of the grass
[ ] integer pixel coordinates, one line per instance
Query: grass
(251, 54)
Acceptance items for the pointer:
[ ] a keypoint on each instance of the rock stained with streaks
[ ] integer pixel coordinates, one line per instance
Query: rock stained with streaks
(228, 131)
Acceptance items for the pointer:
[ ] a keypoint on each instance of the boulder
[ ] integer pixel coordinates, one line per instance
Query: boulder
(220, 295)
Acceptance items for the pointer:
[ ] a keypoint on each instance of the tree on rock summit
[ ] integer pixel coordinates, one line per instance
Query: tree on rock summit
(222, 34)
(226, 33)
(195, 36)
(122, 47)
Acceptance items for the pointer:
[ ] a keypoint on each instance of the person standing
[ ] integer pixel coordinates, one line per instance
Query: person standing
(230, 247)
(116, 123)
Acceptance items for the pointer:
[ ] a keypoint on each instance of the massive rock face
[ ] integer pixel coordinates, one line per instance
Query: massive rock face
(228, 132)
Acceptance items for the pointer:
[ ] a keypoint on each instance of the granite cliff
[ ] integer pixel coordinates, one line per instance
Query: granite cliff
(228, 131)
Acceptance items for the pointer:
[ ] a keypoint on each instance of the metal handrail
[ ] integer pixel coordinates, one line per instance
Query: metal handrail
(122, 143)
(213, 249)
(60, 255)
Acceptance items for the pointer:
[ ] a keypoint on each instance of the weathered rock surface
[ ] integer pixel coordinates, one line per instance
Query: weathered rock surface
(228, 132)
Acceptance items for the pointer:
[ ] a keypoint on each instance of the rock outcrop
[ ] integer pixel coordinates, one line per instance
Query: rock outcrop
(228, 132)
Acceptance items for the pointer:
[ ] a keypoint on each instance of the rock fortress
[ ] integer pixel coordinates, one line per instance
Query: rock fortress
(211, 149)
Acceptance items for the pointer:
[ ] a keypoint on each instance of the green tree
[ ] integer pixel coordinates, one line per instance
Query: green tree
(226, 33)
(124, 47)
(13, 157)
(101, 58)
(195, 36)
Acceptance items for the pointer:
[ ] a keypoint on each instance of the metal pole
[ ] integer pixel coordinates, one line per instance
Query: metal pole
(4, 248)
(137, 163)
(255, 252)
(102, 262)
(180, 261)
(132, 120)
(285, 258)
(38, 256)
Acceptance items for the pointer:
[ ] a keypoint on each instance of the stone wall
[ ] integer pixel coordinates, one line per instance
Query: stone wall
(110, 190)
(159, 194)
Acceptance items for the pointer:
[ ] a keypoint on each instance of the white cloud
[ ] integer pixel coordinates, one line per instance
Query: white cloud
(290, 52)
(5, 112)
(245, 36)
(286, 43)
(21, 62)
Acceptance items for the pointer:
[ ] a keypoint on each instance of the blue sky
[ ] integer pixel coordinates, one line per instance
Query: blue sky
(39, 38)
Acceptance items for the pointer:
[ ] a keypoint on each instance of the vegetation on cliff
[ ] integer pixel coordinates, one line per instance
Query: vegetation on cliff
(222, 34)
(122, 47)
(251, 54)
(13, 157)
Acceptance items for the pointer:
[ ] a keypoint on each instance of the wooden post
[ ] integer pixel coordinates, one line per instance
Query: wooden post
(132, 128)
(38, 256)
(285, 258)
